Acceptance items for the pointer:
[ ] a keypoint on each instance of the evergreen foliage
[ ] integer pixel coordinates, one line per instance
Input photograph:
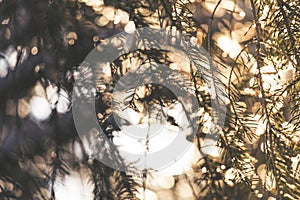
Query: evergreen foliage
(254, 45)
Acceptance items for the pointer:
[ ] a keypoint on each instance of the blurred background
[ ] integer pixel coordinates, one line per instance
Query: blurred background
(254, 46)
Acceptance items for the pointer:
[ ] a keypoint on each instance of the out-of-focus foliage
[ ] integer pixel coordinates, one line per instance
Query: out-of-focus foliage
(255, 48)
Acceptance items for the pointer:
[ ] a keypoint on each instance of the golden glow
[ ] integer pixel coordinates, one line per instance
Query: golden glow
(109, 13)
(230, 175)
(266, 177)
(34, 50)
(95, 38)
(224, 6)
(93, 3)
(229, 46)
(117, 19)
(145, 194)
(242, 14)
(130, 27)
(184, 190)
(124, 16)
(71, 42)
(158, 181)
(102, 21)
(72, 35)
(261, 127)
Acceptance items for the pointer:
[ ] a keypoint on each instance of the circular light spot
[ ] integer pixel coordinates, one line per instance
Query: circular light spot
(40, 108)
(34, 51)
(102, 21)
(37, 69)
(130, 27)
(123, 16)
(117, 19)
(95, 38)
(72, 35)
(71, 42)
(242, 14)
(109, 13)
